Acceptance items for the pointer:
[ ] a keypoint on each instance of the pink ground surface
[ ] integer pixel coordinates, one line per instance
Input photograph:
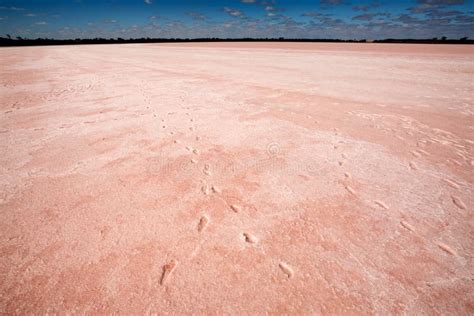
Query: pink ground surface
(237, 178)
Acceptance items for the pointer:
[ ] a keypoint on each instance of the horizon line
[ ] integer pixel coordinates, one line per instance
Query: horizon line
(20, 41)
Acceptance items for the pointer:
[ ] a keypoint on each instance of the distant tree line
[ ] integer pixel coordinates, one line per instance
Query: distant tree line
(19, 41)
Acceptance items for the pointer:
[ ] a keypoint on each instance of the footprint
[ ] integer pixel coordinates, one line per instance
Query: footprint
(407, 226)
(168, 270)
(236, 208)
(251, 239)
(415, 154)
(205, 189)
(457, 201)
(203, 223)
(216, 189)
(451, 183)
(196, 152)
(194, 160)
(286, 269)
(347, 175)
(207, 169)
(446, 248)
(413, 165)
(381, 204)
(198, 138)
(454, 161)
(350, 189)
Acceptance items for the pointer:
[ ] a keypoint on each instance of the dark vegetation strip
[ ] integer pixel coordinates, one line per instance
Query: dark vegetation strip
(18, 41)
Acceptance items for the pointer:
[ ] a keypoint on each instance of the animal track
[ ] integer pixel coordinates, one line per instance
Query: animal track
(168, 270)
(457, 201)
(451, 183)
(207, 169)
(203, 223)
(381, 204)
(351, 190)
(236, 208)
(454, 161)
(446, 248)
(215, 189)
(250, 238)
(413, 165)
(193, 160)
(286, 269)
(196, 152)
(205, 189)
(347, 175)
(407, 226)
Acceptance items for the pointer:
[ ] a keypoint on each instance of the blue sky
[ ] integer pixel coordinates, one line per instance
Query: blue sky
(346, 19)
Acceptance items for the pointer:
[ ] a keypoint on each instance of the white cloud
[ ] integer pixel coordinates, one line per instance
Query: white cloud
(11, 8)
(233, 12)
(41, 23)
(148, 1)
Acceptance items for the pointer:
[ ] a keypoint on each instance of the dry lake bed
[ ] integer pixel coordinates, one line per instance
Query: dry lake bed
(237, 178)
